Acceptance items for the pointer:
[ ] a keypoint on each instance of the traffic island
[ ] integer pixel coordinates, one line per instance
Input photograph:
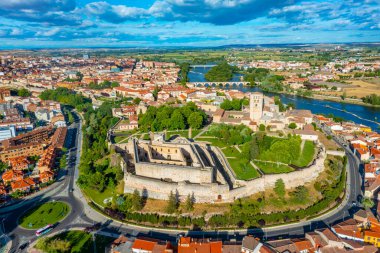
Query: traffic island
(44, 214)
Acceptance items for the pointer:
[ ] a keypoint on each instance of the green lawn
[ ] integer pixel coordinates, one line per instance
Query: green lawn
(214, 142)
(47, 213)
(71, 241)
(126, 133)
(117, 139)
(195, 132)
(99, 197)
(272, 168)
(183, 133)
(243, 171)
(306, 156)
(231, 152)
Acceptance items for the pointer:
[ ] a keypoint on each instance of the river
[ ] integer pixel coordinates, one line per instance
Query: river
(360, 114)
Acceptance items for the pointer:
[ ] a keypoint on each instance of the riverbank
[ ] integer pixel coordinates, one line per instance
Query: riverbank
(351, 101)
(358, 113)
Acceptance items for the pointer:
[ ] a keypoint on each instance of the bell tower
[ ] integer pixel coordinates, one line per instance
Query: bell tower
(256, 104)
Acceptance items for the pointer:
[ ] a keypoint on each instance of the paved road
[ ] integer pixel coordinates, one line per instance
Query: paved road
(83, 215)
(59, 191)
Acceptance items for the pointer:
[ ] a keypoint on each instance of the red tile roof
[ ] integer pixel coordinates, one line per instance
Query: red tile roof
(187, 245)
(22, 184)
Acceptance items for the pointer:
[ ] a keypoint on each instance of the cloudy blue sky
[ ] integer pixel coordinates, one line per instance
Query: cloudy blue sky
(150, 23)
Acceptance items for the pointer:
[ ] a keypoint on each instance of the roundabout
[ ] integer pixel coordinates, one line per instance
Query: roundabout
(44, 214)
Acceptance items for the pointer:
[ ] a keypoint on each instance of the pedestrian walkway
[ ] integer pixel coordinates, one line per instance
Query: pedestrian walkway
(202, 132)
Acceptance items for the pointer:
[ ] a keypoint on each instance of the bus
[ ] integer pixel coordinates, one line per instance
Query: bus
(44, 230)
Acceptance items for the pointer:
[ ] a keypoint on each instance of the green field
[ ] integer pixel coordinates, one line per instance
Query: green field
(42, 215)
(243, 171)
(99, 197)
(213, 141)
(118, 139)
(73, 241)
(231, 152)
(273, 168)
(306, 156)
(183, 133)
(241, 167)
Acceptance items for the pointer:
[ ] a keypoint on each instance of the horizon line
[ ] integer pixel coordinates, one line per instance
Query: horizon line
(191, 47)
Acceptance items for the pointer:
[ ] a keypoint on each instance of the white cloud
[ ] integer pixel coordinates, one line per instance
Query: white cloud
(16, 32)
(48, 33)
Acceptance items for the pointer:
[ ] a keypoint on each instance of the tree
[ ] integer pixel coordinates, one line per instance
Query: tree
(279, 188)
(79, 76)
(97, 181)
(155, 92)
(195, 120)
(136, 201)
(368, 203)
(168, 117)
(344, 95)
(300, 194)
(226, 105)
(115, 84)
(262, 127)
(236, 104)
(3, 167)
(136, 101)
(290, 105)
(23, 93)
(222, 72)
(177, 121)
(278, 102)
(292, 125)
(185, 68)
(372, 99)
(189, 204)
(58, 245)
(172, 203)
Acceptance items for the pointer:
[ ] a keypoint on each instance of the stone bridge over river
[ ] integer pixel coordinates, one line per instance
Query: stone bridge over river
(215, 84)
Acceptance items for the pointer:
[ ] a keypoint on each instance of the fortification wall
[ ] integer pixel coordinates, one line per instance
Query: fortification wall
(189, 180)
(175, 173)
(291, 179)
(158, 189)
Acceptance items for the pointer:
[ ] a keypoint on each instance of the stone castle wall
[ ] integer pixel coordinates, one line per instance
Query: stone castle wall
(213, 192)
(157, 189)
(174, 172)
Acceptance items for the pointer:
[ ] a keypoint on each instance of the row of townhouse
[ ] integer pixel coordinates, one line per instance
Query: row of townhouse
(319, 241)
(17, 178)
(363, 228)
(187, 245)
(366, 146)
(364, 142)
